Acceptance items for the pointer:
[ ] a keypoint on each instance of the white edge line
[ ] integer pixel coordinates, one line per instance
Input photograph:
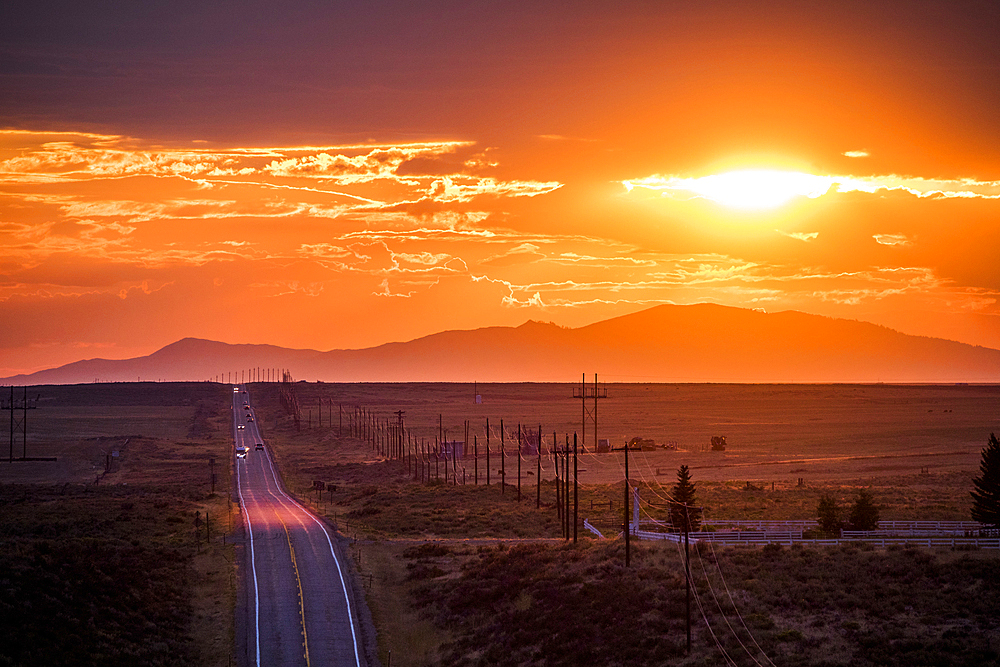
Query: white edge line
(253, 561)
(340, 573)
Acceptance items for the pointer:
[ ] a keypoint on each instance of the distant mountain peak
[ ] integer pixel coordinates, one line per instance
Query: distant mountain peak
(666, 343)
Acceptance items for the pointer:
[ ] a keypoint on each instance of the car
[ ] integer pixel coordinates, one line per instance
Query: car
(241, 452)
(259, 446)
(240, 427)
(249, 418)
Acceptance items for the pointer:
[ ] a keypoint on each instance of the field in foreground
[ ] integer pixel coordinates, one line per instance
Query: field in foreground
(468, 575)
(429, 554)
(114, 553)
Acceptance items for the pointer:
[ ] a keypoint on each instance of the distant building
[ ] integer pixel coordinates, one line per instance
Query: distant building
(454, 448)
(529, 442)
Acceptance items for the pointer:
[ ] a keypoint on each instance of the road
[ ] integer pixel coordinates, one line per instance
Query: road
(295, 607)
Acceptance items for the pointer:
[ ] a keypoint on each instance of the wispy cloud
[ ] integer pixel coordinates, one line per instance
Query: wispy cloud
(768, 187)
(801, 236)
(891, 239)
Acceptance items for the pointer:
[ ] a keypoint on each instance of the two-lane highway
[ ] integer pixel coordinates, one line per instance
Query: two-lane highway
(297, 609)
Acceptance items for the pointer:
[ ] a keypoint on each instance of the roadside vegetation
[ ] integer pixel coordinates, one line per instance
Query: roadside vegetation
(111, 561)
(540, 604)
(119, 560)
(465, 575)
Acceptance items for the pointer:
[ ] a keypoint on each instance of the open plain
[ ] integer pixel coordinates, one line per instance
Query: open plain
(429, 554)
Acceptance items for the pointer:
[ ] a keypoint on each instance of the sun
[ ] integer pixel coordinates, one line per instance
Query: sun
(759, 188)
(751, 189)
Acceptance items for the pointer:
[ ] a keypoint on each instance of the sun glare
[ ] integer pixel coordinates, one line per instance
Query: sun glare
(750, 188)
(756, 188)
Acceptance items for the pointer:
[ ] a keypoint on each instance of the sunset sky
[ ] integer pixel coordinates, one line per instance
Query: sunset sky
(339, 175)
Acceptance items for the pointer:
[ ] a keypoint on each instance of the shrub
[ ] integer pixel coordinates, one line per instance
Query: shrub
(828, 515)
(864, 513)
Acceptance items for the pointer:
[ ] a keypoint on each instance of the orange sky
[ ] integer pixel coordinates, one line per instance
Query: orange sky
(343, 175)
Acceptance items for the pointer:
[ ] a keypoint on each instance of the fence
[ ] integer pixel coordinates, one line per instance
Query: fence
(879, 538)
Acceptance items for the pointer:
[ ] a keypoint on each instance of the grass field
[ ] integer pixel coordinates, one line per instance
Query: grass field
(119, 564)
(467, 574)
(448, 583)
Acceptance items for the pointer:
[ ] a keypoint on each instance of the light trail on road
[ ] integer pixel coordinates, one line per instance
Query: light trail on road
(302, 611)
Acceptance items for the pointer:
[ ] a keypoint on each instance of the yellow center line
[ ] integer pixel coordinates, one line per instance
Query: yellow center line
(298, 581)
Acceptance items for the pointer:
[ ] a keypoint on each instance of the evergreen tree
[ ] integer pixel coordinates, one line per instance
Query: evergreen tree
(864, 513)
(828, 515)
(683, 494)
(986, 491)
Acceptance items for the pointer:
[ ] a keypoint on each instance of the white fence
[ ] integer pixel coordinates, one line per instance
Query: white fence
(760, 539)
(930, 534)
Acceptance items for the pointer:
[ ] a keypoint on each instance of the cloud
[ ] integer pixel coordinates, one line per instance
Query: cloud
(523, 253)
(454, 189)
(379, 163)
(855, 153)
(801, 236)
(768, 188)
(891, 239)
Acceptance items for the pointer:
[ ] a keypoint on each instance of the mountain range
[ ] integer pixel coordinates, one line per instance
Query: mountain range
(668, 343)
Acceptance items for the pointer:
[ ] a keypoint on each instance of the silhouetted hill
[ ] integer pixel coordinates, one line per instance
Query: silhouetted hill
(699, 343)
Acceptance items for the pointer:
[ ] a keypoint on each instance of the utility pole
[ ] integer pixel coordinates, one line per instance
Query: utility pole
(519, 462)
(487, 451)
(566, 487)
(538, 475)
(625, 523)
(687, 573)
(399, 417)
(583, 392)
(555, 465)
(503, 460)
(576, 491)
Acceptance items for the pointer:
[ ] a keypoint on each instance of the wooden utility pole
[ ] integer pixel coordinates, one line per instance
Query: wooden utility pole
(566, 490)
(538, 474)
(555, 464)
(399, 446)
(628, 489)
(687, 574)
(503, 459)
(576, 490)
(519, 462)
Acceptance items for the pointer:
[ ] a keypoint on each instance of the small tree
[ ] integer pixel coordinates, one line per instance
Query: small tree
(864, 513)
(828, 515)
(683, 514)
(986, 491)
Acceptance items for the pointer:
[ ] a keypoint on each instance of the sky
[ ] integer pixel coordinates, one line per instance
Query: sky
(335, 175)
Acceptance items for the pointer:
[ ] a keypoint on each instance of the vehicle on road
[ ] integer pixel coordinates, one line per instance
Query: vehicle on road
(241, 452)
(240, 427)
(259, 447)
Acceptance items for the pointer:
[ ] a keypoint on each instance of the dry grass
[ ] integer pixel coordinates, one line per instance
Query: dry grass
(410, 637)
(915, 447)
(143, 507)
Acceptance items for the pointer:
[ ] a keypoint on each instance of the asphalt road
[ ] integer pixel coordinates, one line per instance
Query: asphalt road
(294, 607)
